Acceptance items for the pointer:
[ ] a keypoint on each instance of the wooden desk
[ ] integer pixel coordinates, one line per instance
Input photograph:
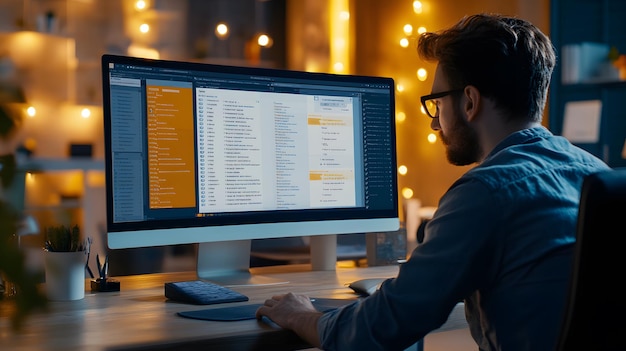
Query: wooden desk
(139, 318)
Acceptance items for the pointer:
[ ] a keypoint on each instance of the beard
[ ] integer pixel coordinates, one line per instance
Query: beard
(461, 141)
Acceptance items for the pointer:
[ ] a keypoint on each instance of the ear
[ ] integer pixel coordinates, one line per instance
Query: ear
(472, 104)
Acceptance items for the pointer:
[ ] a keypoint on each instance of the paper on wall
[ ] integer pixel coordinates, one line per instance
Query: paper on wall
(581, 123)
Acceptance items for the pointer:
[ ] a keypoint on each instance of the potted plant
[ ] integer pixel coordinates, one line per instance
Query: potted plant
(62, 238)
(65, 260)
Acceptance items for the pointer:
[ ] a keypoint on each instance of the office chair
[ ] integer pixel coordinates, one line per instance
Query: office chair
(595, 316)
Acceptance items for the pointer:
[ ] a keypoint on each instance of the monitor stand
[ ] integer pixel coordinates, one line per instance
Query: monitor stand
(323, 252)
(227, 263)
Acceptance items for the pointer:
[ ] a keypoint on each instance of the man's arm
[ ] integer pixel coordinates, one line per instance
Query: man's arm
(294, 312)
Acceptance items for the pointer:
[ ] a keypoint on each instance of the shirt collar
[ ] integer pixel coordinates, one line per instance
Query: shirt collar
(520, 137)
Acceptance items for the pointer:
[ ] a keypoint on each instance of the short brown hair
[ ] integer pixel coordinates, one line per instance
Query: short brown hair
(507, 59)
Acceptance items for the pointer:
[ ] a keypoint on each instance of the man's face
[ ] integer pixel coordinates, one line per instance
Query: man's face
(458, 136)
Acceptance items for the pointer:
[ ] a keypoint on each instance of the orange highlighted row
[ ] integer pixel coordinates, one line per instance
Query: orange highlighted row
(329, 175)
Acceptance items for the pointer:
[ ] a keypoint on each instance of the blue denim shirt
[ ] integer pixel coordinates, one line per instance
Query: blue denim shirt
(501, 240)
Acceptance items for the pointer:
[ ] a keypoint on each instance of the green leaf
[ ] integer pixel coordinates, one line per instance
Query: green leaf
(62, 238)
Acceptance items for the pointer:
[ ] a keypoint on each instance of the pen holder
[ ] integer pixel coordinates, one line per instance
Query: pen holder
(105, 285)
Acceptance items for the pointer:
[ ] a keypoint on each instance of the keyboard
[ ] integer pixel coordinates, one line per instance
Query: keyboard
(200, 292)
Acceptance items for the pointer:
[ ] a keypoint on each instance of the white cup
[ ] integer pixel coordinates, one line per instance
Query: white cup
(65, 275)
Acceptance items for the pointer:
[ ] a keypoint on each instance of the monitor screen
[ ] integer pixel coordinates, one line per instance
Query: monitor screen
(220, 155)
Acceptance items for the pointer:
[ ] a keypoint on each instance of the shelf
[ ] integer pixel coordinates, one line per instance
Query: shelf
(56, 207)
(578, 21)
(596, 84)
(61, 164)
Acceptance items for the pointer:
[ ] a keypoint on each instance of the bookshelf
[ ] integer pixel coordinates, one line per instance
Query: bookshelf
(593, 21)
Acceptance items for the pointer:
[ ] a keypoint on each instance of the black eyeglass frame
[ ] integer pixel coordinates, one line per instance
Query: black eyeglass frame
(425, 98)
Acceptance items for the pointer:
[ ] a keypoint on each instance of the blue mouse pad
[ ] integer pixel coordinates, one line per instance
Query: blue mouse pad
(239, 313)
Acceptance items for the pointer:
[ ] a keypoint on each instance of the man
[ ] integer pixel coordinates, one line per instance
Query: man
(501, 239)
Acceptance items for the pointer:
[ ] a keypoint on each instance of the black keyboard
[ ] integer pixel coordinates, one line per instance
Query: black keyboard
(199, 292)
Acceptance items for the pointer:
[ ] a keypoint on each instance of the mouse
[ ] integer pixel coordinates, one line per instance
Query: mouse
(367, 286)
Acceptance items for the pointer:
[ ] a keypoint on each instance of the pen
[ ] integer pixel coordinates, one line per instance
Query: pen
(106, 267)
(88, 255)
(100, 271)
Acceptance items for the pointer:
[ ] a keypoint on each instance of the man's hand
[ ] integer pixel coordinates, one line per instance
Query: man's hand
(295, 312)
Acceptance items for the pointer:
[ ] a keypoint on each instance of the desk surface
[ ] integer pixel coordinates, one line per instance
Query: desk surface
(139, 318)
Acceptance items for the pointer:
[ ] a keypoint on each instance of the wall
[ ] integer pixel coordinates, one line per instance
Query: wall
(103, 27)
(91, 28)
(378, 32)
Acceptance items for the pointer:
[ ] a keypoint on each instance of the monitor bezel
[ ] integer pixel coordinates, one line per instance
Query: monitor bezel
(242, 225)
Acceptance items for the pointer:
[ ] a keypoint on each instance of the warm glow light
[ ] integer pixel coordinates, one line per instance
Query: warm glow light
(402, 170)
(339, 33)
(422, 74)
(144, 28)
(27, 39)
(313, 66)
(140, 5)
(31, 111)
(432, 138)
(338, 67)
(404, 42)
(400, 88)
(263, 40)
(417, 7)
(340, 43)
(140, 51)
(407, 193)
(85, 113)
(221, 30)
(408, 29)
(421, 30)
(400, 116)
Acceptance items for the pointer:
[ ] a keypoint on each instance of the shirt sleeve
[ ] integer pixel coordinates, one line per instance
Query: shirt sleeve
(450, 264)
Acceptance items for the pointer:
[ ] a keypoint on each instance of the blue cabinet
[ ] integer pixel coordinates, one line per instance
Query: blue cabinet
(597, 21)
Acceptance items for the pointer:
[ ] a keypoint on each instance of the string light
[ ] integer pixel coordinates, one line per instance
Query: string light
(402, 170)
(85, 113)
(221, 30)
(144, 28)
(264, 40)
(400, 116)
(407, 193)
(338, 67)
(432, 138)
(140, 5)
(31, 111)
(417, 7)
(422, 110)
(422, 74)
(408, 29)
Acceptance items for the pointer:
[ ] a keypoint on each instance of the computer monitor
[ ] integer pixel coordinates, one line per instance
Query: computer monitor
(220, 155)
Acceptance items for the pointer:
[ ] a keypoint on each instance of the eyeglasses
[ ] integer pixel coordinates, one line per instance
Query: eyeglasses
(431, 106)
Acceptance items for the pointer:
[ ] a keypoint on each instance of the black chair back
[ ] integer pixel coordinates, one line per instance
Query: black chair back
(595, 317)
